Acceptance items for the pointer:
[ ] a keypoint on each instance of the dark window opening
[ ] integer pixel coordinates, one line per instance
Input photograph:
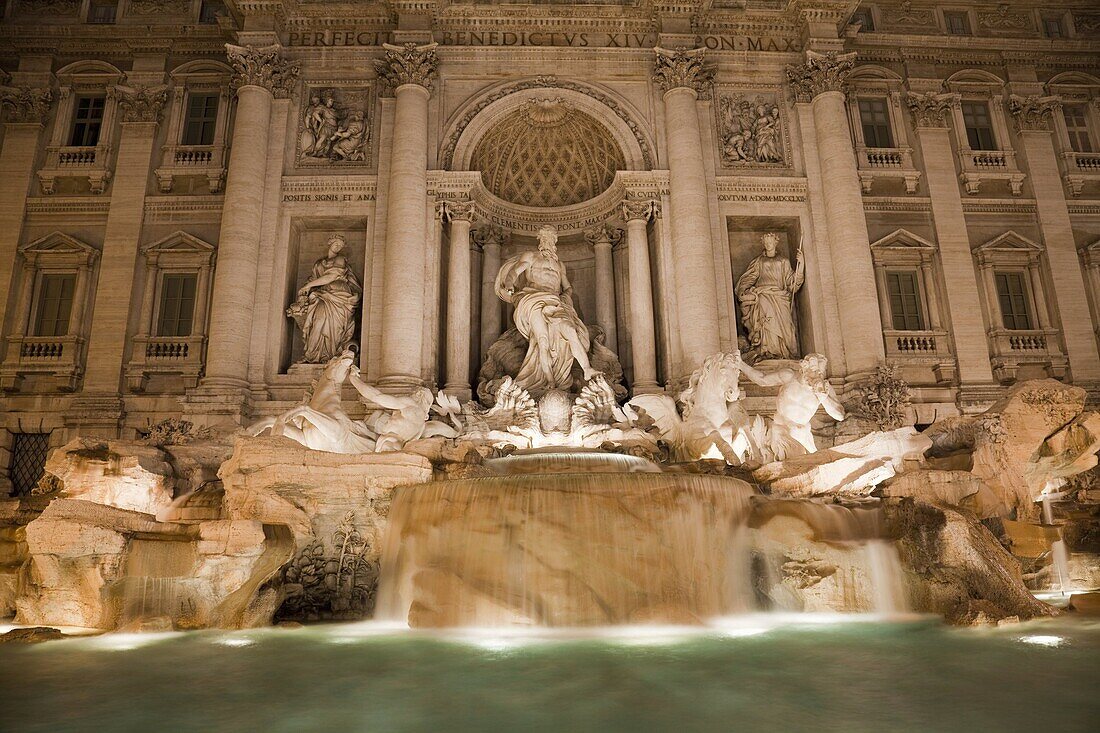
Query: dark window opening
(55, 304)
(210, 10)
(102, 12)
(979, 126)
(1053, 26)
(905, 305)
(1077, 126)
(202, 117)
(177, 305)
(875, 120)
(1012, 294)
(87, 120)
(865, 19)
(958, 23)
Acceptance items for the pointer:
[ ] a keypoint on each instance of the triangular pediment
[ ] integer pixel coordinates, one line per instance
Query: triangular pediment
(58, 243)
(179, 242)
(1094, 247)
(902, 239)
(1009, 241)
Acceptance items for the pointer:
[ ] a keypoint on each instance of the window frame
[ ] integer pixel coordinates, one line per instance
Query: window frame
(42, 276)
(887, 120)
(205, 122)
(994, 144)
(77, 120)
(158, 313)
(89, 17)
(1022, 276)
(968, 23)
(914, 274)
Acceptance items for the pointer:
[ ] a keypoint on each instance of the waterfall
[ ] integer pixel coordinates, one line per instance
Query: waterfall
(155, 581)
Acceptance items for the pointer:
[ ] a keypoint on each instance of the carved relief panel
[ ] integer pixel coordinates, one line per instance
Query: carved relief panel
(752, 128)
(335, 125)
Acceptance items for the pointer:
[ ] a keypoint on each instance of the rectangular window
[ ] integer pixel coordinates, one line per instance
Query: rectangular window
(1012, 294)
(202, 117)
(958, 23)
(55, 304)
(1077, 125)
(979, 126)
(905, 305)
(874, 116)
(102, 11)
(209, 11)
(87, 119)
(177, 304)
(865, 19)
(28, 461)
(1053, 26)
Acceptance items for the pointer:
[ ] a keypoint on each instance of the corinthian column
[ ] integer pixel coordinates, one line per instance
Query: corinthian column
(459, 215)
(408, 71)
(490, 239)
(681, 75)
(261, 75)
(602, 239)
(23, 110)
(1033, 122)
(820, 82)
(643, 341)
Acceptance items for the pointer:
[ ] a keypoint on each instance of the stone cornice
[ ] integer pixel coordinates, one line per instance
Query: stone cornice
(1033, 113)
(24, 104)
(263, 67)
(682, 69)
(931, 109)
(822, 72)
(761, 188)
(408, 64)
(140, 103)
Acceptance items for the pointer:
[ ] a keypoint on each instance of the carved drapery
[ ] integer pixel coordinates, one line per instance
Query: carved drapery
(931, 109)
(25, 104)
(263, 67)
(675, 69)
(1034, 112)
(408, 64)
(822, 72)
(140, 104)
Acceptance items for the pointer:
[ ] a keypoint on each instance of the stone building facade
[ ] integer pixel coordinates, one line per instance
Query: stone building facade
(172, 170)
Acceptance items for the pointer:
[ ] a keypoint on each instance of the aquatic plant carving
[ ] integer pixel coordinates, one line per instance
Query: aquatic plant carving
(884, 397)
(337, 584)
(175, 431)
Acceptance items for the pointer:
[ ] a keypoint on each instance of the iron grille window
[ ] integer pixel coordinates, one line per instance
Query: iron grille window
(177, 304)
(28, 461)
(55, 304)
(87, 121)
(958, 23)
(905, 306)
(1012, 294)
(979, 126)
(1077, 125)
(202, 116)
(875, 119)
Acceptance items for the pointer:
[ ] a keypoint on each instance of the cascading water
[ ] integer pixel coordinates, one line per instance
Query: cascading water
(156, 578)
(577, 539)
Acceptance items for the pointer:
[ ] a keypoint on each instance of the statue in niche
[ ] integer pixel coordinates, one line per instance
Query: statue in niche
(325, 307)
(766, 292)
(801, 393)
(535, 283)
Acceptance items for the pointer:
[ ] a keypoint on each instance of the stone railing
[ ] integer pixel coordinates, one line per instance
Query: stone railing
(56, 358)
(924, 350)
(194, 155)
(917, 343)
(167, 356)
(1036, 348)
(1080, 168)
(981, 165)
(76, 161)
(886, 163)
(200, 161)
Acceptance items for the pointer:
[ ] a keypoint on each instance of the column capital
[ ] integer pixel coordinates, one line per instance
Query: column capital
(603, 234)
(682, 69)
(644, 209)
(455, 209)
(822, 72)
(263, 67)
(408, 64)
(1034, 112)
(140, 103)
(25, 104)
(931, 109)
(488, 235)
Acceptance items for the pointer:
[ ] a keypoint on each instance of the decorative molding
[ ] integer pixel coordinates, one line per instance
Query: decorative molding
(1003, 19)
(340, 115)
(49, 7)
(770, 189)
(407, 64)
(932, 109)
(140, 103)
(822, 72)
(454, 209)
(1033, 112)
(25, 104)
(645, 209)
(603, 234)
(158, 7)
(263, 67)
(683, 69)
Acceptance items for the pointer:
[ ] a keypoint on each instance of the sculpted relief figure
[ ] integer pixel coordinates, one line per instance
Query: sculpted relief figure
(326, 304)
(535, 283)
(766, 292)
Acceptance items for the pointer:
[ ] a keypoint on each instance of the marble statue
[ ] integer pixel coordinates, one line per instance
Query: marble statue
(320, 422)
(766, 292)
(403, 418)
(535, 283)
(801, 393)
(326, 305)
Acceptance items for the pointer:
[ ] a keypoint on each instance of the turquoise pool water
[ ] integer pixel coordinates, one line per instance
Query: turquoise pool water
(752, 674)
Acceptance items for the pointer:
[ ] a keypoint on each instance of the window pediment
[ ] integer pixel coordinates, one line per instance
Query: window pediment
(1009, 248)
(902, 239)
(178, 243)
(59, 246)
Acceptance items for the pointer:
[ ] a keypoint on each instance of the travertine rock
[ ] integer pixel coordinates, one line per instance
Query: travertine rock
(951, 488)
(121, 474)
(852, 469)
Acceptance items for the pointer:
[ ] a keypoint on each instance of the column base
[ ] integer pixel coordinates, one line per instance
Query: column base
(640, 388)
(95, 415)
(399, 383)
(460, 392)
(218, 407)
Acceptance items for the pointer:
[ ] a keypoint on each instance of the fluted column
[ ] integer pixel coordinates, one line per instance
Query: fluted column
(603, 239)
(139, 110)
(820, 82)
(681, 75)
(1032, 115)
(643, 340)
(261, 74)
(490, 239)
(23, 110)
(931, 114)
(458, 215)
(408, 71)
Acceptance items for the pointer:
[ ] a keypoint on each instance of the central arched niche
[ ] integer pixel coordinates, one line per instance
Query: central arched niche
(547, 153)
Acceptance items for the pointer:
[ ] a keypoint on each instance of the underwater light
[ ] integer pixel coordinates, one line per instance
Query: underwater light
(1042, 640)
(235, 642)
(127, 641)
